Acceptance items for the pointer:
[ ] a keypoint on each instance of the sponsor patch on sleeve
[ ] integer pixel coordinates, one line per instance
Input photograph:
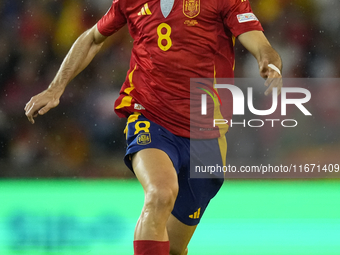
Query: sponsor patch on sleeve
(246, 17)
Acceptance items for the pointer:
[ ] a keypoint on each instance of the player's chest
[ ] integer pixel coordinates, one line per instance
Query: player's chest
(179, 14)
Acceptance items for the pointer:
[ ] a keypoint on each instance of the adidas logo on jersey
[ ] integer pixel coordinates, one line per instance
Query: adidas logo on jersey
(196, 215)
(145, 10)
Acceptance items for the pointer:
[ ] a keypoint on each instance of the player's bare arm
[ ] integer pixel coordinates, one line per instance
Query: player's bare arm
(269, 60)
(80, 55)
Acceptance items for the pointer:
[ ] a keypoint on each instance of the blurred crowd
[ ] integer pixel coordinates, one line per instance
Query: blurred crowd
(83, 137)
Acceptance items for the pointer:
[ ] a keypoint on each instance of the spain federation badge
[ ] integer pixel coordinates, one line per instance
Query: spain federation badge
(191, 8)
(143, 138)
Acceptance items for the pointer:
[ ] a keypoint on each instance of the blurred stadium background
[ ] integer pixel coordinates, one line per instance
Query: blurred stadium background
(64, 188)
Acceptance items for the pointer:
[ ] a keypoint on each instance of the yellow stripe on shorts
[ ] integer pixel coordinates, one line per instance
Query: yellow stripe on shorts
(132, 118)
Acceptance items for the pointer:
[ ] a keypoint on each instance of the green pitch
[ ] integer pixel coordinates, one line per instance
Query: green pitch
(98, 217)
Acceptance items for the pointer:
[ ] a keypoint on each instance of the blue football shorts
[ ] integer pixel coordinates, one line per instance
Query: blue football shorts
(194, 194)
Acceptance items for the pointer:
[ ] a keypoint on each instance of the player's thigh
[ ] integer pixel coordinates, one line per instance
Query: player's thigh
(156, 173)
(179, 235)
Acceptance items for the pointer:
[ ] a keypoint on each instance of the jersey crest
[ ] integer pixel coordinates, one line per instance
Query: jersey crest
(191, 8)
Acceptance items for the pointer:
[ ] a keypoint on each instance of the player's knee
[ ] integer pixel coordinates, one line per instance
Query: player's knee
(161, 197)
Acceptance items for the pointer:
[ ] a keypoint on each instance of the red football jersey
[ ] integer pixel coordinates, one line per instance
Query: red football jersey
(191, 39)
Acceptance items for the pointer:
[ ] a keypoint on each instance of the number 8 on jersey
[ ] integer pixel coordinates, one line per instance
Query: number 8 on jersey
(165, 37)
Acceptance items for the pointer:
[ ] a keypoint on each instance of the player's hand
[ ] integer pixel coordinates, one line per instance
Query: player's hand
(273, 78)
(42, 103)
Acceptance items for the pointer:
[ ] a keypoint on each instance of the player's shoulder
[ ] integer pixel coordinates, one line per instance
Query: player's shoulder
(230, 3)
(225, 6)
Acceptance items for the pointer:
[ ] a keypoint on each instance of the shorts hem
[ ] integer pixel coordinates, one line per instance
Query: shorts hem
(189, 222)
